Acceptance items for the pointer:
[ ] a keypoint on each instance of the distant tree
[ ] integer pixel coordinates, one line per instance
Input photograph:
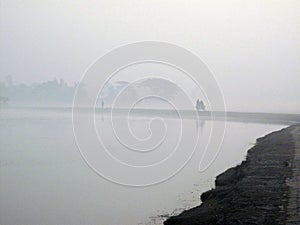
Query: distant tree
(3, 100)
(2, 87)
(9, 80)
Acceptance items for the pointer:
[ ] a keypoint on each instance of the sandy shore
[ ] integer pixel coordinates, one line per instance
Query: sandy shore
(263, 189)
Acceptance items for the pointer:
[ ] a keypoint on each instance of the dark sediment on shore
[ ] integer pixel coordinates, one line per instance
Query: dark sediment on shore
(263, 189)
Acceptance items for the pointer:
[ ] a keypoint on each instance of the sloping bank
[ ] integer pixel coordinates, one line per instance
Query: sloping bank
(264, 189)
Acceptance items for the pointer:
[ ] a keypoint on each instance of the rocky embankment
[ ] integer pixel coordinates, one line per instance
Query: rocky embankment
(263, 189)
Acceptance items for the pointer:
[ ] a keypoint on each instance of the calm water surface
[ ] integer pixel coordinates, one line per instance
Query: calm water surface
(44, 179)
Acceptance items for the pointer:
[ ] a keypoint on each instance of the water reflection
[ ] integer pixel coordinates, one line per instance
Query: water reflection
(47, 173)
(200, 124)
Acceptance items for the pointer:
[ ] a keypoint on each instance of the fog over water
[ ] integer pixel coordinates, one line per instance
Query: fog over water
(124, 112)
(44, 179)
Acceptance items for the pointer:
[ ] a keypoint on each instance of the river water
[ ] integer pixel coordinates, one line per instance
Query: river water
(45, 180)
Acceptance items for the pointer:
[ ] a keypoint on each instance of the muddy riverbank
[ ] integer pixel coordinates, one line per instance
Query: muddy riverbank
(263, 189)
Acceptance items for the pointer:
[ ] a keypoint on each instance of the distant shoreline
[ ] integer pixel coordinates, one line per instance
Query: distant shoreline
(248, 117)
(263, 189)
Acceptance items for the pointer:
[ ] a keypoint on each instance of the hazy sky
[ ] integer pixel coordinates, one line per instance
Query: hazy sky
(253, 47)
